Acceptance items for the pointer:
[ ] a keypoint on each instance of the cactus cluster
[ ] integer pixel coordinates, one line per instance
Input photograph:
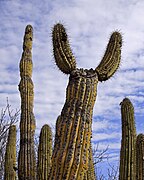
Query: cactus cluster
(71, 157)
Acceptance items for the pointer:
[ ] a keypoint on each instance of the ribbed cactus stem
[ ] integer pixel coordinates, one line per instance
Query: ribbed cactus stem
(62, 51)
(71, 150)
(128, 153)
(140, 157)
(71, 153)
(10, 155)
(90, 174)
(44, 153)
(111, 58)
(26, 159)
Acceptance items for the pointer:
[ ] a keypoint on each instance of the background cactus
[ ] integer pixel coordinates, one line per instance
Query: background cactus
(26, 159)
(71, 153)
(128, 153)
(10, 155)
(140, 157)
(44, 153)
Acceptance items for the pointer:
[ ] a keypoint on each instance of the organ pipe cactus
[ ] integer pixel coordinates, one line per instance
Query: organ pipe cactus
(10, 155)
(71, 151)
(44, 153)
(140, 157)
(26, 159)
(128, 153)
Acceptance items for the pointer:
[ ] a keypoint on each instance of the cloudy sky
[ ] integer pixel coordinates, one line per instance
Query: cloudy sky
(89, 24)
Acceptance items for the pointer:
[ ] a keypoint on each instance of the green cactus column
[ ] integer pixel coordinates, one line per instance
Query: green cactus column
(127, 169)
(44, 153)
(73, 133)
(140, 157)
(10, 155)
(26, 159)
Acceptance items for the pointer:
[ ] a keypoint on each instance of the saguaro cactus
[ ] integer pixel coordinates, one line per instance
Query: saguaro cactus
(26, 159)
(128, 153)
(10, 155)
(140, 157)
(71, 152)
(44, 153)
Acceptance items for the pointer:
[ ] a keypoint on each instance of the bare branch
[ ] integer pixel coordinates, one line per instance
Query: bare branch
(7, 118)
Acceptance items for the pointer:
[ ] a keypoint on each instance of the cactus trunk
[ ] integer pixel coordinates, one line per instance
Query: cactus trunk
(26, 159)
(71, 151)
(44, 153)
(140, 157)
(128, 153)
(10, 155)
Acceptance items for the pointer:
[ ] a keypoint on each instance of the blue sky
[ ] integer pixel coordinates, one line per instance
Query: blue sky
(89, 24)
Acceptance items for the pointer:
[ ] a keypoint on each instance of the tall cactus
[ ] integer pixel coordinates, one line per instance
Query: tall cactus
(10, 155)
(140, 157)
(44, 153)
(71, 152)
(128, 153)
(26, 159)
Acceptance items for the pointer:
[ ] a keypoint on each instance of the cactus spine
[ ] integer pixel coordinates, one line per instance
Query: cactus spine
(128, 152)
(71, 153)
(10, 155)
(26, 159)
(140, 157)
(44, 153)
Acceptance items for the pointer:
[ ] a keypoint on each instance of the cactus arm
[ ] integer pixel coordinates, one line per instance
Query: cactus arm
(44, 153)
(111, 59)
(128, 152)
(26, 159)
(62, 52)
(140, 157)
(10, 155)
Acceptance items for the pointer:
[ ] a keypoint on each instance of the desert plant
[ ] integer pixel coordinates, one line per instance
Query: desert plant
(128, 150)
(44, 153)
(26, 159)
(10, 155)
(72, 141)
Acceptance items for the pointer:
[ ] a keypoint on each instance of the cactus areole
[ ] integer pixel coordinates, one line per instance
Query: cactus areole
(73, 132)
